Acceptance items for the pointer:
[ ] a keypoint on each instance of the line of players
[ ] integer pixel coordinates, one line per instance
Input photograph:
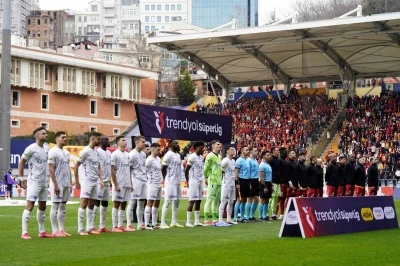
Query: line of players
(137, 179)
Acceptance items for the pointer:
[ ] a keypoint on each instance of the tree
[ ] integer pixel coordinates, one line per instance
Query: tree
(380, 6)
(185, 89)
(310, 10)
(72, 140)
(240, 14)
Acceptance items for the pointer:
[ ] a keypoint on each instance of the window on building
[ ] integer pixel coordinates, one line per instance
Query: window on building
(158, 18)
(166, 18)
(153, 28)
(45, 21)
(29, 21)
(116, 86)
(46, 73)
(146, 7)
(177, 18)
(45, 125)
(29, 33)
(136, 26)
(33, 34)
(36, 75)
(153, 19)
(158, 7)
(146, 19)
(15, 98)
(14, 123)
(45, 33)
(166, 7)
(116, 131)
(38, 33)
(33, 21)
(134, 89)
(45, 102)
(153, 7)
(144, 58)
(146, 28)
(85, 19)
(92, 129)
(117, 107)
(172, 7)
(38, 21)
(179, 7)
(95, 8)
(45, 45)
(108, 57)
(93, 107)
(79, 19)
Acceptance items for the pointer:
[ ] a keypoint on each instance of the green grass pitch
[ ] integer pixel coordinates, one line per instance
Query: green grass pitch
(243, 244)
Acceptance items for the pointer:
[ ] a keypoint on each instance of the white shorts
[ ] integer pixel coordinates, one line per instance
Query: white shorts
(139, 189)
(64, 196)
(104, 193)
(122, 195)
(172, 192)
(89, 190)
(36, 192)
(228, 193)
(195, 190)
(153, 192)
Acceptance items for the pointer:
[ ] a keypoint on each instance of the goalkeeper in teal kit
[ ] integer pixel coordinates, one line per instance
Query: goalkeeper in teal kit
(213, 176)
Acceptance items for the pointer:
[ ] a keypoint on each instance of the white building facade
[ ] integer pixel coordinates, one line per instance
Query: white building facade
(88, 23)
(160, 14)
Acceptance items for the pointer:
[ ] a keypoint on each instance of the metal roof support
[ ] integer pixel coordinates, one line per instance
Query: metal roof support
(394, 36)
(331, 54)
(271, 65)
(209, 70)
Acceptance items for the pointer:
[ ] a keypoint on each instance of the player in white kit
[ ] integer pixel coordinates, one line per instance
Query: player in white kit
(154, 178)
(36, 156)
(120, 174)
(228, 192)
(137, 158)
(87, 172)
(60, 184)
(171, 172)
(104, 193)
(194, 180)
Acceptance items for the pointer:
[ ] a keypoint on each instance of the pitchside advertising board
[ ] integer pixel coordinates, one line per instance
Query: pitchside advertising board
(17, 150)
(312, 217)
(160, 122)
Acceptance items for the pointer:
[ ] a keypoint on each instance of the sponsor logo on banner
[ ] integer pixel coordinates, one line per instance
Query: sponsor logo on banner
(331, 216)
(292, 218)
(389, 212)
(169, 123)
(366, 214)
(378, 213)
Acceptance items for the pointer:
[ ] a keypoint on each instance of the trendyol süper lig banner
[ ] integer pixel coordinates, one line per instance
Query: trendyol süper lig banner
(160, 122)
(311, 217)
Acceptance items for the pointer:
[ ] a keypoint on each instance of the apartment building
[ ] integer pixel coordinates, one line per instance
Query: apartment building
(20, 9)
(63, 92)
(88, 23)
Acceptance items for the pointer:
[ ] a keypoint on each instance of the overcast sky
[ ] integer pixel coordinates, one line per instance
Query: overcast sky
(282, 6)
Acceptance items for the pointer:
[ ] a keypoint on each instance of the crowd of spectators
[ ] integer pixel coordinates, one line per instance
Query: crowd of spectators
(371, 129)
(293, 122)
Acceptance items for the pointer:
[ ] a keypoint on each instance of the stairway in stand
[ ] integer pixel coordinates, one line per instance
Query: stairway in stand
(333, 145)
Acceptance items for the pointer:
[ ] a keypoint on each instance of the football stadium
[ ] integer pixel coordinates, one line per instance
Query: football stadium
(291, 156)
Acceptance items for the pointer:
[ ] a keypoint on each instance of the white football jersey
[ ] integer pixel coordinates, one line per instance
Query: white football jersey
(89, 159)
(120, 160)
(153, 169)
(36, 157)
(173, 161)
(138, 161)
(228, 168)
(60, 159)
(197, 165)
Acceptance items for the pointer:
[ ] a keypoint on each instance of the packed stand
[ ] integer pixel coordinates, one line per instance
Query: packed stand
(294, 122)
(371, 129)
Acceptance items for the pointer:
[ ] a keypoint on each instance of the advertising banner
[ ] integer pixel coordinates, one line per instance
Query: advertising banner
(160, 122)
(16, 150)
(331, 216)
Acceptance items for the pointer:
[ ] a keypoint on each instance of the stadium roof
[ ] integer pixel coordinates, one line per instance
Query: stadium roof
(351, 47)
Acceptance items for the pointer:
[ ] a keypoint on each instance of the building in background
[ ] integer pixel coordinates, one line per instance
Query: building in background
(160, 14)
(64, 92)
(20, 9)
(211, 14)
(88, 23)
(51, 28)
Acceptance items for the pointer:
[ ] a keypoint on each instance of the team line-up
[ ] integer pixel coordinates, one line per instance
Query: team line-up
(137, 180)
